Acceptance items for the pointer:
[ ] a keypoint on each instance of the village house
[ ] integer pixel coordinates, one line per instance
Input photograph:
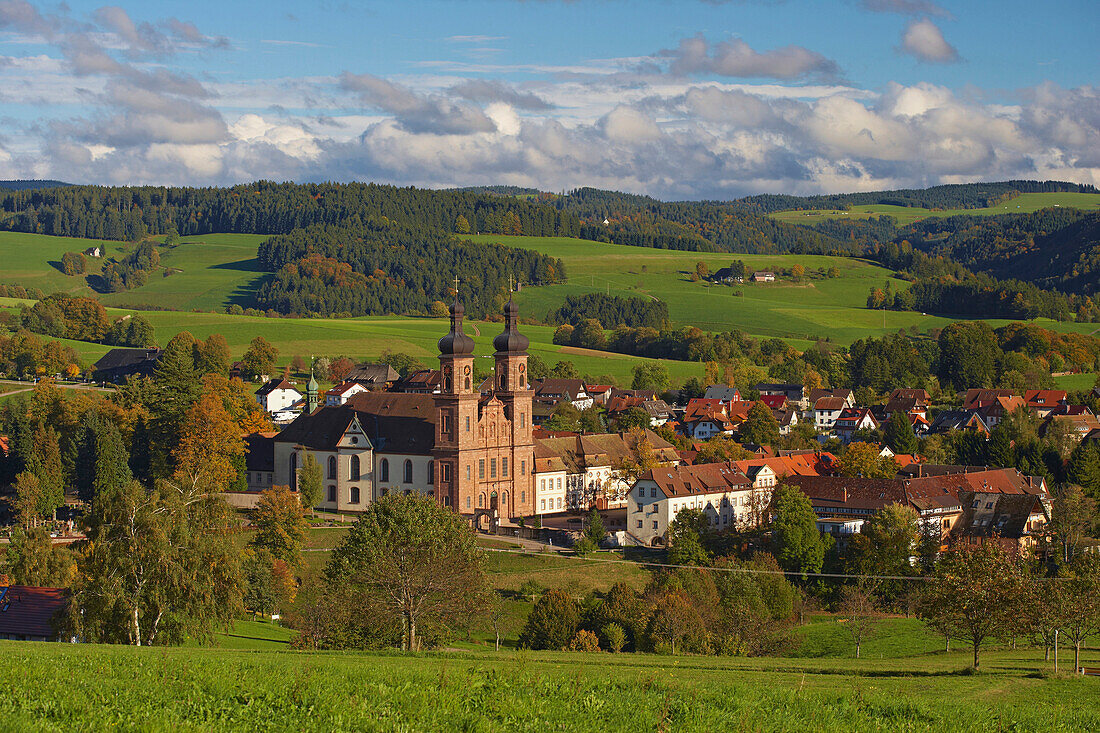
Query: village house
(826, 412)
(722, 393)
(763, 277)
(705, 418)
(372, 376)
(796, 393)
(1016, 522)
(952, 420)
(852, 420)
(341, 393)
(276, 395)
(549, 393)
(424, 381)
(600, 393)
(592, 466)
(1045, 401)
(27, 612)
(721, 491)
(120, 364)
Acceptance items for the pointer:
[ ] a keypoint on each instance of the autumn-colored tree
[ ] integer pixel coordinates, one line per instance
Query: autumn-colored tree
(863, 459)
(72, 263)
(798, 272)
(210, 444)
(280, 525)
(462, 226)
(857, 608)
(259, 358)
(340, 368)
(28, 490)
(977, 592)
(722, 448)
(674, 617)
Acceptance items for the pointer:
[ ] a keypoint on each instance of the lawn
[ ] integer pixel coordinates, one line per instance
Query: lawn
(105, 687)
(1023, 204)
(1076, 382)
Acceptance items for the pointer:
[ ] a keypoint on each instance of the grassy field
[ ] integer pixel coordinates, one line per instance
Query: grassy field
(1023, 204)
(366, 338)
(206, 272)
(104, 687)
(1075, 382)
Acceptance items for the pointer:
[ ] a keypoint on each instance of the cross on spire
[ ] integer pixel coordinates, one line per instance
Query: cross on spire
(456, 285)
(511, 284)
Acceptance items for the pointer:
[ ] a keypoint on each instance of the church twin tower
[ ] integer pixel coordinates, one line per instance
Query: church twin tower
(484, 452)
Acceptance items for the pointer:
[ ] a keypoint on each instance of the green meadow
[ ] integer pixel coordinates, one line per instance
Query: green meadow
(55, 687)
(366, 338)
(1025, 203)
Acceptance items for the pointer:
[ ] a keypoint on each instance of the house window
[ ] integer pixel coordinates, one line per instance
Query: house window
(480, 501)
(639, 524)
(542, 505)
(523, 468)
(445, 425)
(653, 491)
(384, 470)
(408, 471)
(467, 470)
(445, 471)
(354, 494)
(542, 484)
(332, 467)
(355, 468)
(492, 468)
(504, 467)
(559, 483)
(654, 524)
(332, 493)
(431, 472)
(559, 502)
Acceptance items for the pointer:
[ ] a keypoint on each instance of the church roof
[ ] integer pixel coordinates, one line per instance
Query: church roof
(395, 422)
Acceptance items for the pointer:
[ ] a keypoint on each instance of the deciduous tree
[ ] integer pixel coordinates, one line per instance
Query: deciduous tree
(280, 525)
(857, 607)
(799, 546)
(417, 560)
(976, 592)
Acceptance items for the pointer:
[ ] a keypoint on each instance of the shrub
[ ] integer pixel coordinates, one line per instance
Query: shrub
(552, 623)
(614, 637)
(584, 641)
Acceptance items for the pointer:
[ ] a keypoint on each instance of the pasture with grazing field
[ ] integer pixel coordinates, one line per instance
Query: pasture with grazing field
(1025, 203)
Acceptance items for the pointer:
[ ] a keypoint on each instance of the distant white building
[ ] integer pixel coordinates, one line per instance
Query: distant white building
(277, 394)
(341, 393)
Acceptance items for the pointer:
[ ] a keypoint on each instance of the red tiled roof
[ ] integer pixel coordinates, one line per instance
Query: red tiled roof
(774, 402)
(707, 478)
(830, 403)
(28, 611)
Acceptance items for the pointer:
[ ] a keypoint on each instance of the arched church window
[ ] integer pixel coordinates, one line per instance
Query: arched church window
(384, 470)
(355, 468)
(332, 467)
(408, 471)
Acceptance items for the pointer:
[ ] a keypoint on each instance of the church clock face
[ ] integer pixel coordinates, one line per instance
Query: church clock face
(522, 368)
(466, 370)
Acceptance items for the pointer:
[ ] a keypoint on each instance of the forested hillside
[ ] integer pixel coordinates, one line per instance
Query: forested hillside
(130, 213)
(951, 196)
(704, 226)
(371, 269)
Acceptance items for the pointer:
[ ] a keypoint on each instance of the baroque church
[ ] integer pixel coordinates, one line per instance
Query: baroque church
(472, 450)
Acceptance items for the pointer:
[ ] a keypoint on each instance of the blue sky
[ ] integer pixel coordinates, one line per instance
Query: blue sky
(685, 99)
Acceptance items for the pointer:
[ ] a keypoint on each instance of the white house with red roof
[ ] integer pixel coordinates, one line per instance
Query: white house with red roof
(341, 393)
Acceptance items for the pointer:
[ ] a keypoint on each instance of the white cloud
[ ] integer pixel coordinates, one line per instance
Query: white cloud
(737, 59)
(923, 40)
